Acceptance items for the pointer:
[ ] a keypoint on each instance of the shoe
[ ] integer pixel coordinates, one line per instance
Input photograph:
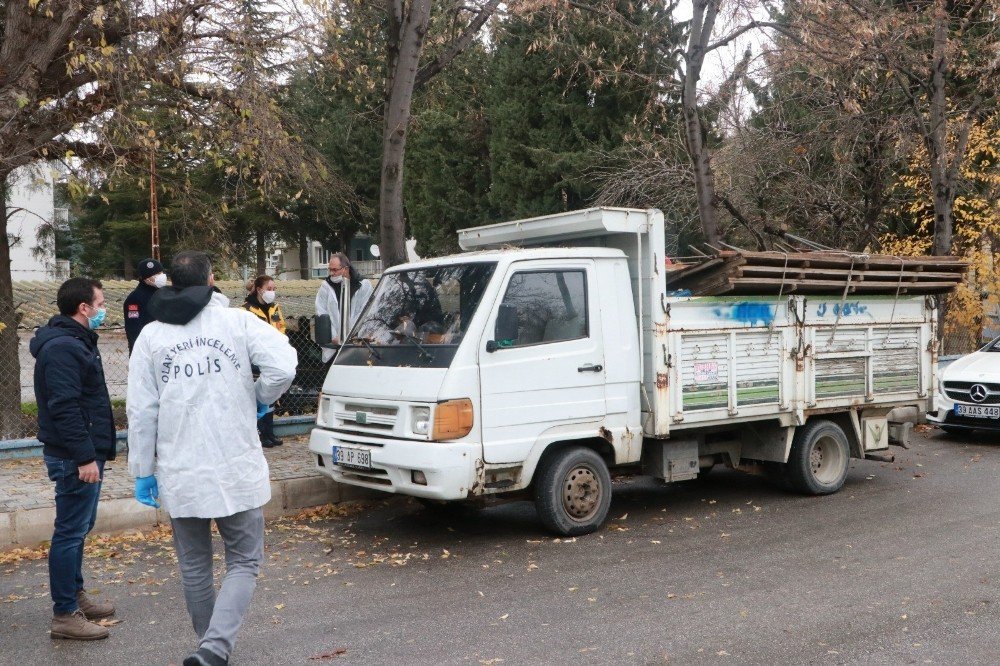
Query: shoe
(205, 657)
(94, 610)
(267, 443)
(76, 627)
(275, 441)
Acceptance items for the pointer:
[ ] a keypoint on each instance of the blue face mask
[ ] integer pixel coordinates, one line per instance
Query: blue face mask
(97, 319)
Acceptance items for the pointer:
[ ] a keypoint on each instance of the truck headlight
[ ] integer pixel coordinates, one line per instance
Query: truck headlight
(420, 418)
(452, 419)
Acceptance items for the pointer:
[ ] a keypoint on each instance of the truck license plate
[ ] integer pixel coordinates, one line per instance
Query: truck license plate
(349, 457)
(978, 411)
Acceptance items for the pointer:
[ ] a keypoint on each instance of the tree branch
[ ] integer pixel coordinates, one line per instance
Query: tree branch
(431, 69)
(752, 25)
(738, 216)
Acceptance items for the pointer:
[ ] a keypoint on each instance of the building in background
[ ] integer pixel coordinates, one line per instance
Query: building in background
(32, 210)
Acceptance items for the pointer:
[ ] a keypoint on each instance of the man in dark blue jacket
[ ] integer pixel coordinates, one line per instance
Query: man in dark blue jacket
(151, 278)
(77, 430)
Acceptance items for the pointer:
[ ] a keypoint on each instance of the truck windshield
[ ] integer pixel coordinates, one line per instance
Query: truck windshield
(417, 317)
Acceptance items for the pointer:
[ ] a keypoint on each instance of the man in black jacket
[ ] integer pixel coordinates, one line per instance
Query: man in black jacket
(77, 430)
(151, 278)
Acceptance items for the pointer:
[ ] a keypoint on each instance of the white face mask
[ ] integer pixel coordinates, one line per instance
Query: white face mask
(268, 297)
(160, 280)
(337, 279)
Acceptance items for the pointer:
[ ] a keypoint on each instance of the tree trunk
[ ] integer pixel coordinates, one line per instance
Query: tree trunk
(702, 23)
(11, 422)
(397, 119)
(261, 252)
(304, 268)
(938, 136)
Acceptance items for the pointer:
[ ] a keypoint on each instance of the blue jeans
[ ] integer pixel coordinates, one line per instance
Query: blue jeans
(76, 513)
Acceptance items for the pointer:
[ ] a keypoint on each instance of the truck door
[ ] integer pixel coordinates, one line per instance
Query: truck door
(547, 371)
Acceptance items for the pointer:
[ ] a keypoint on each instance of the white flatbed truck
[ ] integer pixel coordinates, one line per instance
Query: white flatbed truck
(551, 351)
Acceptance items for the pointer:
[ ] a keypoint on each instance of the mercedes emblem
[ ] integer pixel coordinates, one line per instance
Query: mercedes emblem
(978, 392)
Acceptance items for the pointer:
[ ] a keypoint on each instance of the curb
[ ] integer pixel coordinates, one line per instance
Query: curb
(28, 528)
(284, 426)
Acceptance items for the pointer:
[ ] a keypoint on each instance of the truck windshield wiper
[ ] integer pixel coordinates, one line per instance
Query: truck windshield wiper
(416, 341)
(368, 346)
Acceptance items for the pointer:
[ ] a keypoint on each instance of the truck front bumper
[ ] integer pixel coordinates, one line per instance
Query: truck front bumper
(449, 468)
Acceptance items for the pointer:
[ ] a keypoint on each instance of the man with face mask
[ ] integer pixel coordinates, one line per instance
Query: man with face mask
(151, 278)
(77, 429)
(341, 276)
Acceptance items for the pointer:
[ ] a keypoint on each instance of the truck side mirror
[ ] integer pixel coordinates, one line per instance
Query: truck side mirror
(324, 331)
(506, 328)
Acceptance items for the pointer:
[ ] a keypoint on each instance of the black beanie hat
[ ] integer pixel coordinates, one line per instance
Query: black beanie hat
(148, 268)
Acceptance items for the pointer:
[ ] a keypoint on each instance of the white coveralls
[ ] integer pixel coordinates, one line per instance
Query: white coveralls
(192, 408)
(328, 304)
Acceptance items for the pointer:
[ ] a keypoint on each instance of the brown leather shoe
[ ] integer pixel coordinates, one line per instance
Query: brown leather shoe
(94, 610)
(76, 627)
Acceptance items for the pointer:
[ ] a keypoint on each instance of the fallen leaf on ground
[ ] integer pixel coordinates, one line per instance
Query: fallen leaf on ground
(327, 656)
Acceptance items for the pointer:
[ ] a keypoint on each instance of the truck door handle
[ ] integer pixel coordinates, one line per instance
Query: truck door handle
(590, 367)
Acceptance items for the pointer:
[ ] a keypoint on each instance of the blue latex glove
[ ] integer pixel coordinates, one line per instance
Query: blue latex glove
(261, 410)
(146, 491)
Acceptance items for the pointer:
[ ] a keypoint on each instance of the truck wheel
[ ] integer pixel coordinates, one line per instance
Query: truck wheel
(817, 464)
(573, 491)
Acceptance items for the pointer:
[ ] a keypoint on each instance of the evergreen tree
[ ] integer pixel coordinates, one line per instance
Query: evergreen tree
(567, 88)
(447, 158)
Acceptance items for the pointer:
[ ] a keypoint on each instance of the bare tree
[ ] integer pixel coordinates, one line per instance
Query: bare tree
(702, 42)
(941, 59)
(73, 72)
(405, 34)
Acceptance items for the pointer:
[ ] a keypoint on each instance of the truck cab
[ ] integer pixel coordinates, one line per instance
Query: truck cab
(461, 371)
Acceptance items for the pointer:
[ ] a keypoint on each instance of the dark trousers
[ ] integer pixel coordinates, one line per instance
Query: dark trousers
(76, 513)
(265, 426)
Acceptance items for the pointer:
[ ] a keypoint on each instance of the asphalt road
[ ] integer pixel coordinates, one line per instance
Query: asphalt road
(899, 567)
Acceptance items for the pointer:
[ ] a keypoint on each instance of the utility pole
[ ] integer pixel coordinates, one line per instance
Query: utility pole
(154, 213)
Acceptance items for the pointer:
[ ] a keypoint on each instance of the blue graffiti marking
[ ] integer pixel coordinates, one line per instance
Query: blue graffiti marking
(748, 313)
(846, 310)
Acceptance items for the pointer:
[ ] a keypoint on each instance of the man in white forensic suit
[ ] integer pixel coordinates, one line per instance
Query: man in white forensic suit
(341, 276)
(192, 412)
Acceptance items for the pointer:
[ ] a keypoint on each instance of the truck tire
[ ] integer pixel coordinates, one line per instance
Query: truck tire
(573, 491)
(818, 462)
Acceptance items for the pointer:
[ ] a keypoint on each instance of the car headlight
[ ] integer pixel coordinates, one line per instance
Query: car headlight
(420, 418)
(452, 419)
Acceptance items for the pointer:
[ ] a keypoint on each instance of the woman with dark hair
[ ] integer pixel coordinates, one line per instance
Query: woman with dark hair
(261, 302)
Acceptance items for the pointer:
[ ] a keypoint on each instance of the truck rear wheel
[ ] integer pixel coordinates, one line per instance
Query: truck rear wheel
(573, 491)
(817, 464)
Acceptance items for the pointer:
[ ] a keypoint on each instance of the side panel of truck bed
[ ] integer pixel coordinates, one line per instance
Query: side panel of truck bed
(745, 359)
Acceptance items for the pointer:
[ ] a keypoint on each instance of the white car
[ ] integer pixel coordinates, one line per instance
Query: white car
(968, 395)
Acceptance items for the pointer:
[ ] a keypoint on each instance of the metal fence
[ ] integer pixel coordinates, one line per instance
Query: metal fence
(35, 303)
(958, 341)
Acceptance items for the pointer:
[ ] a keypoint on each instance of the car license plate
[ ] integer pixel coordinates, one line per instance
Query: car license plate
(349, 457)
(978, 411)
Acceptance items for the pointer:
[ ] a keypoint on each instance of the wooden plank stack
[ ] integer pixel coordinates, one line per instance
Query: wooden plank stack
(738, 272)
